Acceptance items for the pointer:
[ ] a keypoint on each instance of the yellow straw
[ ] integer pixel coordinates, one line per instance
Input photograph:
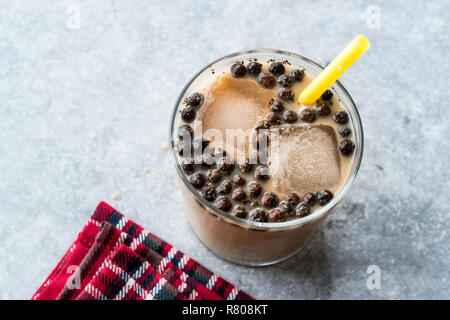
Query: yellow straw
(334, 70)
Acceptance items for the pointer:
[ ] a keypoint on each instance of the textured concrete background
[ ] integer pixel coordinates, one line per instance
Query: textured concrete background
(84, 108)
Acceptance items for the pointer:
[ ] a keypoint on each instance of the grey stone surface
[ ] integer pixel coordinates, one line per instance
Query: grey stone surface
(84, 110)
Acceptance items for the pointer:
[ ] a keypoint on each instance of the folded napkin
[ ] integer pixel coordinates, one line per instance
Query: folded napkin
(114, 258)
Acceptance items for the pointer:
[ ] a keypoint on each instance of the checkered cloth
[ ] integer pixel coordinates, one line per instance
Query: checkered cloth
(114, 258)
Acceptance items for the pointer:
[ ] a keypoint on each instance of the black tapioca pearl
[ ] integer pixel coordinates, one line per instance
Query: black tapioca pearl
(285, 81)
(224, 164)
(258, 215)
(187, 165)
(214, 175)
(302, 210)
(292, 198)
(188, 114)
(276, 68)
(254, 68)
(277, 215)
(205, 161)
(345, 132)
(322, 109)
(238, 180)
(307, 115)
(195, 100)
(286, 207)
(310, 199)
(262, 173)
(286, 94)
(341, 117)
(346, 147)
(327, 95)
(239, 211)
(239, 195)
(238, 70)
(225, 187)
(269, 200)
(290, 116)
(276, 106)
(185, 132)
(244, 165)
(223, 203)
(262, 124)
(273, 118)
(197, 180)
(266, 80)
(208, 193)
(324, 196)
(297, 74)
(254, 189)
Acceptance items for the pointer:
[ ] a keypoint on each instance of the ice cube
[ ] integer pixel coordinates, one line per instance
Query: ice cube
(235, 104)
(304, 158)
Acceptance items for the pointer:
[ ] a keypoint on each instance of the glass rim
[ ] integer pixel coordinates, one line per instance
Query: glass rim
(318, 213)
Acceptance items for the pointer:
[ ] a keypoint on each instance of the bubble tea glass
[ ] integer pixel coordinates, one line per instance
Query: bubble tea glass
(248, 242)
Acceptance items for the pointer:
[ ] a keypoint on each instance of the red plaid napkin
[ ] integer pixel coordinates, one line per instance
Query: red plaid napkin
(114, 258)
